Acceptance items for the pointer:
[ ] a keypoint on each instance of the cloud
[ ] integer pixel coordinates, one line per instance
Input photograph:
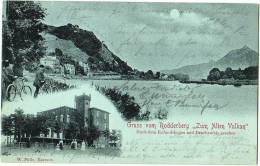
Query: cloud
(177, 20)
(186, 18)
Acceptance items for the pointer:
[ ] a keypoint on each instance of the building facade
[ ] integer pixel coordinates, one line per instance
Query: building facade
(85, 67)
(50, 61)
(91, 117)
(69, 69)
(63, 115)
(100, 119)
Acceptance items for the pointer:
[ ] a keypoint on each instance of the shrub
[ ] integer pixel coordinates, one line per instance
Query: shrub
(123, 101)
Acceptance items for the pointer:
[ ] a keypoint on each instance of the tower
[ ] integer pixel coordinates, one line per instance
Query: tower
(82, 105)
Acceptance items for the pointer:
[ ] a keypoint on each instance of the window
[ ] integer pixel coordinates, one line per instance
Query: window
(97, 114)
(97, 122)
(105, 125)
(105, 116)
(61, 118)
(68, 118)
(56, 117)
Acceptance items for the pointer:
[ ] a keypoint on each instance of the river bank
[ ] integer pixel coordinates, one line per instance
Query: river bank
(236, 83)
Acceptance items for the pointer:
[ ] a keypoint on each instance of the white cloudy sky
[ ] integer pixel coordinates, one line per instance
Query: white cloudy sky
(162, 35)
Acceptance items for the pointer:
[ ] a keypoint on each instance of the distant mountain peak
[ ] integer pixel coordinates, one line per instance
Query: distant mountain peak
(243, 57)
(245, 47)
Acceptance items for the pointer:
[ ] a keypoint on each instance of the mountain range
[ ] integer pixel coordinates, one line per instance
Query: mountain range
(238, 58)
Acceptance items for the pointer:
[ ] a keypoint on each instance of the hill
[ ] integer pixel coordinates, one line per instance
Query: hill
(82, 45)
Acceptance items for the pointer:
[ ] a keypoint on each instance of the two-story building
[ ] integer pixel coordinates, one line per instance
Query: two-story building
(91, 117)
(63, 115)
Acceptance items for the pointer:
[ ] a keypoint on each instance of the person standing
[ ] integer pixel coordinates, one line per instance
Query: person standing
(39, 80)
(83, 146)
(7, 78)
(76, 145)
(57, 147)
(72, 145)
(29, 142)
(61, 145)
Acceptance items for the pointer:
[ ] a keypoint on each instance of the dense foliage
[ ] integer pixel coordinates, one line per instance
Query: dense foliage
(250, 73)
(125, 103)
(22, 41)
(23, 125)
(50, 84)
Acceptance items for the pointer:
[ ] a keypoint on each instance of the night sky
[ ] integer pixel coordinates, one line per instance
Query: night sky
(161, 36)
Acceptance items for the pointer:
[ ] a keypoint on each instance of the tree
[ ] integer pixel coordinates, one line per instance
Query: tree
(229, 72)
(41, 125)
(162, 114)
(7, 46)
(142, 75)
(7, 127)
(251, 72)
(145, 115)
(58, 52)
(24, 28)
(214, 74)
(123, 101)
(239, 74)
(157, 75)
(73, 130)
(149, 75)
(172, 76)
(29, 126)
(18, 119)
(223, 75)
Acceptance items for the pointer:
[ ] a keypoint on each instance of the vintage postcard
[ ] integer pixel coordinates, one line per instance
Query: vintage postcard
(129, 82)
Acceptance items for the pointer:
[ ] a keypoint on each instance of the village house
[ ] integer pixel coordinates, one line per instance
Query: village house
(69, 69)
(163, 76)
(85, 66)
(50, 61)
